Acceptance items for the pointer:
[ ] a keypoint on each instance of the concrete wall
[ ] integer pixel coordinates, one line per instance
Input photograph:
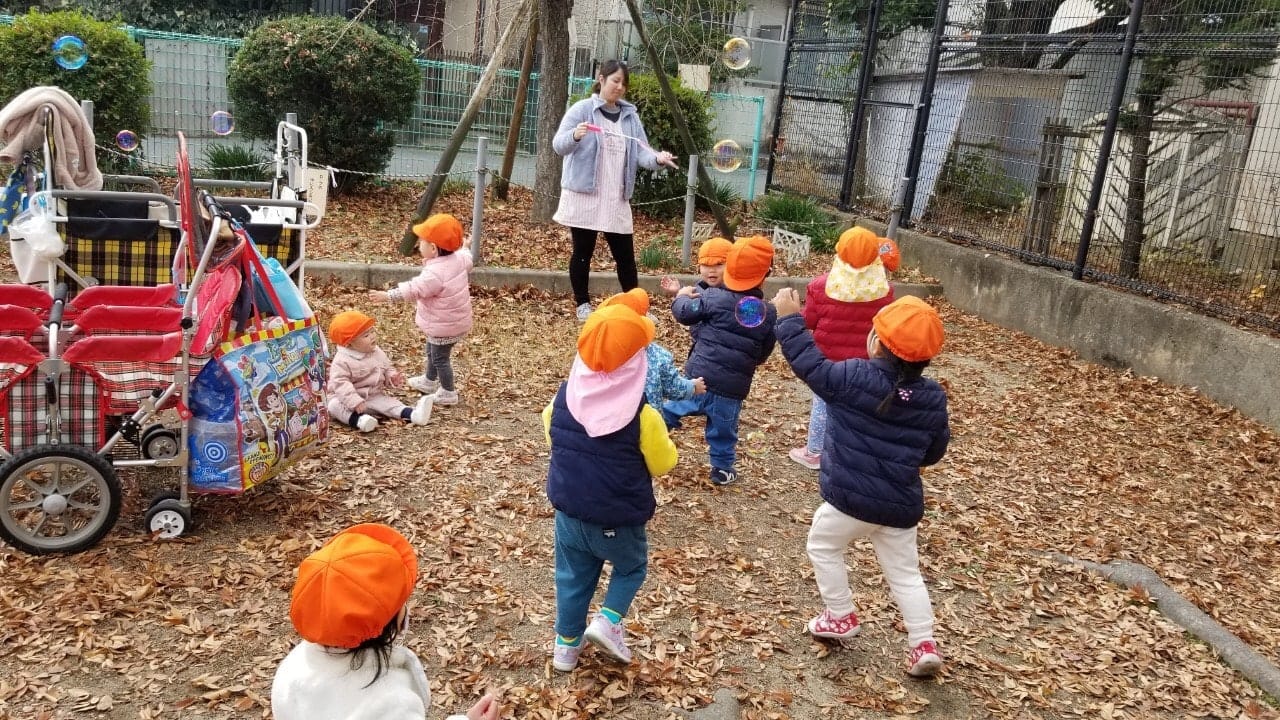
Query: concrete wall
(1234, 367)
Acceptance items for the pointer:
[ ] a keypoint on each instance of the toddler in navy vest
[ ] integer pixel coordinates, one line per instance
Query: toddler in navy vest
(607, 443)
(886, 421)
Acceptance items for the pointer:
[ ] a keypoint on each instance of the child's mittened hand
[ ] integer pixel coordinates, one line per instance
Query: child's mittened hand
(787, 302)
(379, 296)
(487, 709)
(669, 285)
(699, 386)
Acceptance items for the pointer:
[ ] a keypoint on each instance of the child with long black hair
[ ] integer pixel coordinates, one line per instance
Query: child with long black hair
(886, 420)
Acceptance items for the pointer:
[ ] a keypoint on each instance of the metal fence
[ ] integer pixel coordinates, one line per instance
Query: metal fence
(1138, 147)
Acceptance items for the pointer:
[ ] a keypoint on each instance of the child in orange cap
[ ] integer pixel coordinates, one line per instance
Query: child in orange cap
(711, 257)
(663, 381)
(350, 605)
(838, 308)
(887, 420)
(607, 444)
(361, 374)
(733, 335)
(442, 292)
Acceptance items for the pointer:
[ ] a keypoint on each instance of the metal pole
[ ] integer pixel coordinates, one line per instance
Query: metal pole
(923, 111)
(690, 200)
(477, 205)
(782, 93)
(866, 70)
(292, 166)
(1108, 138)
(755, 150)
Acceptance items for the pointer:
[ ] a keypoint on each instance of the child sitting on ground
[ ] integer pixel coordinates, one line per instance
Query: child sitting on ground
(350, 605)
(663, 381)
(734, 327)
(360, 375)
(711, 257)
(607, 444)
(887, 420)
(838, 309)
(442, 292)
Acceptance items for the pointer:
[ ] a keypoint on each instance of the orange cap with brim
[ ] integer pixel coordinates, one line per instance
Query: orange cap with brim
(858, 247)
(909, 328)
(442, 230)
(714, 251)
(635, 298)
(890, 255)
(347, 326)
(611, 336)
(748, 263)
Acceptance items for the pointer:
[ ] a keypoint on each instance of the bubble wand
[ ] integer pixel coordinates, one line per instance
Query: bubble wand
(597, 129)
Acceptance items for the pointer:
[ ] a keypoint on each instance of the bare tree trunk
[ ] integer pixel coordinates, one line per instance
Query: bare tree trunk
(1136, 199)
(553, 96)
(503, 181)
(1021, 17)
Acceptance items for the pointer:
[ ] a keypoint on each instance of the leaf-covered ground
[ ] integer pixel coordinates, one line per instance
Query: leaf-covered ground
(1051, 455)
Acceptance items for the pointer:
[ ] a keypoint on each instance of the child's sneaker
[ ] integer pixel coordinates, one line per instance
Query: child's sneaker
(564, 658)
(423, 385)
(421, 414)
(722, 477)
(925, 660)
(446, 397)
(366, 423)
(608, 635)
(583, 312)
(827, 625)
(813, 461)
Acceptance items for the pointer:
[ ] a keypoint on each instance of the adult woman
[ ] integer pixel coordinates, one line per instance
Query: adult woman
(599, 175)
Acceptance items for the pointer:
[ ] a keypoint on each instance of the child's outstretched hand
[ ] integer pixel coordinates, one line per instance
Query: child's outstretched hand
(688, 291)
(379, 296)
(787, 302)
(699, 386)
(669, 285)
(487, 709)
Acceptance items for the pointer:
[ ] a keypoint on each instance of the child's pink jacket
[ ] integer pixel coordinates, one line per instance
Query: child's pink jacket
(442, 292)
(355, 377)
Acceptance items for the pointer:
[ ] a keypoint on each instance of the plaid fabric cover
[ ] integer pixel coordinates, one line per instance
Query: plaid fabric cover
(283, 244)
(25, 412)
(119, 252)
(125, 384)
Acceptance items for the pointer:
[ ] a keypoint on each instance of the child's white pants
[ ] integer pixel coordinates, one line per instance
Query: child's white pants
(830, 535)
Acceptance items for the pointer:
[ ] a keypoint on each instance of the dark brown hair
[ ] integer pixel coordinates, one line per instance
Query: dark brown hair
(609, 67)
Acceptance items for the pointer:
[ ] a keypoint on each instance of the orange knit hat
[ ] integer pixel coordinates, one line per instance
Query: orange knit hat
(442, 230)
(858, 247)
(347, 326)
(889, 254)
(748, 263)
(348, 590)
(714, 251)
(635, 298)
(910, 328)
(611, 335)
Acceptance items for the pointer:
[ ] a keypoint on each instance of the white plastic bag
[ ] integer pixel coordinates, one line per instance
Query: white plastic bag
(39, 233)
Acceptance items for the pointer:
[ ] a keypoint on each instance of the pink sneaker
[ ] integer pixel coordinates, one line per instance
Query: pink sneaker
(925, 660)
(609, 637)
(827, 625)
(805, 458)
(564, 658)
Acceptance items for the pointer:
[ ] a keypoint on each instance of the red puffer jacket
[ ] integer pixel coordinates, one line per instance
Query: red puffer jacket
(839, 328)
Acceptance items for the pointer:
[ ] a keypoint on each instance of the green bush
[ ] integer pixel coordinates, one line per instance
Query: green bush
(115, 77)
(346, 82)
(669, 185)
(233, 161)
(800, 215)
(657, 256)
(982, 184)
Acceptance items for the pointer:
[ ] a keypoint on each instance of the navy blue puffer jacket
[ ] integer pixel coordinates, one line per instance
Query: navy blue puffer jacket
(725, 353)
(870, 463)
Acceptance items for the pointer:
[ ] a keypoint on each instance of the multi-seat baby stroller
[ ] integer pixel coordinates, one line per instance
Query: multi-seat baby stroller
(159, 337)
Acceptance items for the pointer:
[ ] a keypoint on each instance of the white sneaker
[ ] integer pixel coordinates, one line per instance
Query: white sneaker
(366, 423)
(421, 414)
(445, 397)
(423, 385)
(584, 311)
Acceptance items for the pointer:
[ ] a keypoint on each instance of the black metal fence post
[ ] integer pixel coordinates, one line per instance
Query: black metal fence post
(1108, 138)
(920, 131)
(866, 71)
(782, 93)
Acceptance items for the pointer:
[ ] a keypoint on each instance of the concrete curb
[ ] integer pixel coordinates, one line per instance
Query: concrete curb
(383, 274)
(1237, 653)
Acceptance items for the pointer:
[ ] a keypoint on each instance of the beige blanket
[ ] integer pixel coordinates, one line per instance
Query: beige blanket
(75, 165)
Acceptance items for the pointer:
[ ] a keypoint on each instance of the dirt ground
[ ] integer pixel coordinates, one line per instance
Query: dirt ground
(1050, 455)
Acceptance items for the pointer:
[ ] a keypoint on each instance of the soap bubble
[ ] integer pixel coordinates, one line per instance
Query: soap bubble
(127, 140)
(222, 123)
(756, 443)
(726, 156)
(737, 54)
(70, 53)
(750, 312)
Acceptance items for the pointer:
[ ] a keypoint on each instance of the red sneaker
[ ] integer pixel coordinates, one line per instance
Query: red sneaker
(827, 625)
(925, 660)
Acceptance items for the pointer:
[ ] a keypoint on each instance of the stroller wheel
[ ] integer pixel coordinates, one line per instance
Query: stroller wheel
(167, 517)
(57, 499)
(159, 443)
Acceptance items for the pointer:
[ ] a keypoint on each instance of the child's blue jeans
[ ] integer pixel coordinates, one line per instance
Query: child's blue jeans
(722, 424)
(581, 551)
